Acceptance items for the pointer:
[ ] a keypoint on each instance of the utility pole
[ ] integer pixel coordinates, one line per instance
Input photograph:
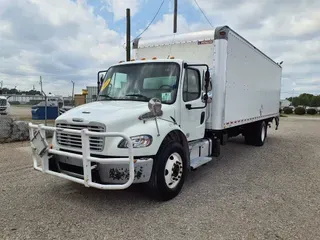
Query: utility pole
(72, 93)
(175, 15)
(45, 100)
(128, 34)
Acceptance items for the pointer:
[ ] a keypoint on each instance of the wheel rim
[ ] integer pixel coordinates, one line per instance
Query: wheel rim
(173, 170)
(263, 133)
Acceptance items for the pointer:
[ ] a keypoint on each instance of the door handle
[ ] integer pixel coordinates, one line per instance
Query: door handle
(188, 106)
(202, 117)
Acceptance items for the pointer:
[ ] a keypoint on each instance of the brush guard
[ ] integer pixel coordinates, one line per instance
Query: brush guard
(41, 148)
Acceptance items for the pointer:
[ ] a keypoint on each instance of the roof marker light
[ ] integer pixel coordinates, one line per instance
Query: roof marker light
(154, 58)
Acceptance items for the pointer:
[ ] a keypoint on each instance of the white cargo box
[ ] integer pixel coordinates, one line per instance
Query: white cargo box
(245, 82)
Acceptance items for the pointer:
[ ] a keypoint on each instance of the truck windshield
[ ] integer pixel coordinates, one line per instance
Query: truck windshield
(141, 82)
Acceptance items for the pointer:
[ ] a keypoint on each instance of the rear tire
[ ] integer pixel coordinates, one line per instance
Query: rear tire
(168, 172)
(256, 133)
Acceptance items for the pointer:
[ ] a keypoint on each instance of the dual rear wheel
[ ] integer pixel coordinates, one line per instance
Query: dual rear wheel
(256, 133)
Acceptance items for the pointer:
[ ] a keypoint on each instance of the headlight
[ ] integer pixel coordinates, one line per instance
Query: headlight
(137, 141)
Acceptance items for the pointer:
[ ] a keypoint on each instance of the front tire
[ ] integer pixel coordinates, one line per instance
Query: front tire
(168, 172)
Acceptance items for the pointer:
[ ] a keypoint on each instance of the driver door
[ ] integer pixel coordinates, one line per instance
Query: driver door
(192, 121)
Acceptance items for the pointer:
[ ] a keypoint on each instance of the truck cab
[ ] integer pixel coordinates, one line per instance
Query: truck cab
(160, 105)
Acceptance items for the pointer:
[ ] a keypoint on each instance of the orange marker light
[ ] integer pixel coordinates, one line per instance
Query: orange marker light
(143, 58)
(154, 58)
(172, 57)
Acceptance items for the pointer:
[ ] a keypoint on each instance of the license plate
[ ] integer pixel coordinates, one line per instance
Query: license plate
(71, 161)
(39, 144)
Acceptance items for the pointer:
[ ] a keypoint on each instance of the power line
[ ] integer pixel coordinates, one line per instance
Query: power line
(151, 21)
(203, 13)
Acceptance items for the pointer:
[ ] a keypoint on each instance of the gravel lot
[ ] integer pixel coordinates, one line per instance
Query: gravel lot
(21, 111)
(271, 192)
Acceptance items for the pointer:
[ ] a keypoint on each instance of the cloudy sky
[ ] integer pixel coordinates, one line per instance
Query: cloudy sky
(64, 40)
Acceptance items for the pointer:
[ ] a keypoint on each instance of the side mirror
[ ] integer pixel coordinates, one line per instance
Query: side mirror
(100, 77)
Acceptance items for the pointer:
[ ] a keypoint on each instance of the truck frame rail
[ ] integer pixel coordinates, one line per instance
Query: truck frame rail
(41, 148)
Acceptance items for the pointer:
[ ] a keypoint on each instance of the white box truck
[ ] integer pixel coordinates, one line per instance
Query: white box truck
(164, 113)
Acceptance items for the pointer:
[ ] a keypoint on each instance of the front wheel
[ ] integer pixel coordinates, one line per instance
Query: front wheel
(169, 171)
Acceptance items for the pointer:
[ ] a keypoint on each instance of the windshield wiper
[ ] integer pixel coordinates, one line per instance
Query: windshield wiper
(107, 96)
(137, 95)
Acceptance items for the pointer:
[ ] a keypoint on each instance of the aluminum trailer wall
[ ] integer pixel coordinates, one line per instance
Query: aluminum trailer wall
(252, 84)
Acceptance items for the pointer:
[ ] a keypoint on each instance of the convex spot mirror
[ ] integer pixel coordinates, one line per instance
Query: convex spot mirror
(155, 106)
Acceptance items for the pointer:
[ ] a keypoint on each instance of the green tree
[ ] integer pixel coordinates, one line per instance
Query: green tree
(305, 99)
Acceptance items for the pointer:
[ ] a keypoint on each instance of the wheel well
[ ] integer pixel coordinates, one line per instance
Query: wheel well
(178, 136)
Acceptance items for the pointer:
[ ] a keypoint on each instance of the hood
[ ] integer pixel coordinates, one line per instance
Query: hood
(111, 113)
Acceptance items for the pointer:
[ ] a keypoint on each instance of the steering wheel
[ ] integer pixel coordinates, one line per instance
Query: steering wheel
(166, 86)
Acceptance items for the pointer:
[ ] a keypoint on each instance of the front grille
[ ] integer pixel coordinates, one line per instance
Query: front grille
(74, 140)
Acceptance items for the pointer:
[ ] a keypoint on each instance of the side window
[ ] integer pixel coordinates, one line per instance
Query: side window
(191, 85)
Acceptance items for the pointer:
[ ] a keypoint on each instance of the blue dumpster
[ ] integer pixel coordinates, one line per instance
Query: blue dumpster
(38, 112)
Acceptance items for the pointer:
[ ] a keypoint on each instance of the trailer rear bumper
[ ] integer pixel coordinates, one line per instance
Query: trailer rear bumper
(122, 171)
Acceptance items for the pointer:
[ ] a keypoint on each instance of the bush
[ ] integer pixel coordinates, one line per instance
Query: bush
(311, 111)
(280, 111)
(287, 110)
(300, 111)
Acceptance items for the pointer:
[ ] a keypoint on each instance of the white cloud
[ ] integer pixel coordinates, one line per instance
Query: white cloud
(286, 30)
(165, 26)
(61, 40)
(64, 40)
(118, 7)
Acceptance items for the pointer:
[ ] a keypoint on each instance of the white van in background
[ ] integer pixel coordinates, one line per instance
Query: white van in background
(4, 106)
